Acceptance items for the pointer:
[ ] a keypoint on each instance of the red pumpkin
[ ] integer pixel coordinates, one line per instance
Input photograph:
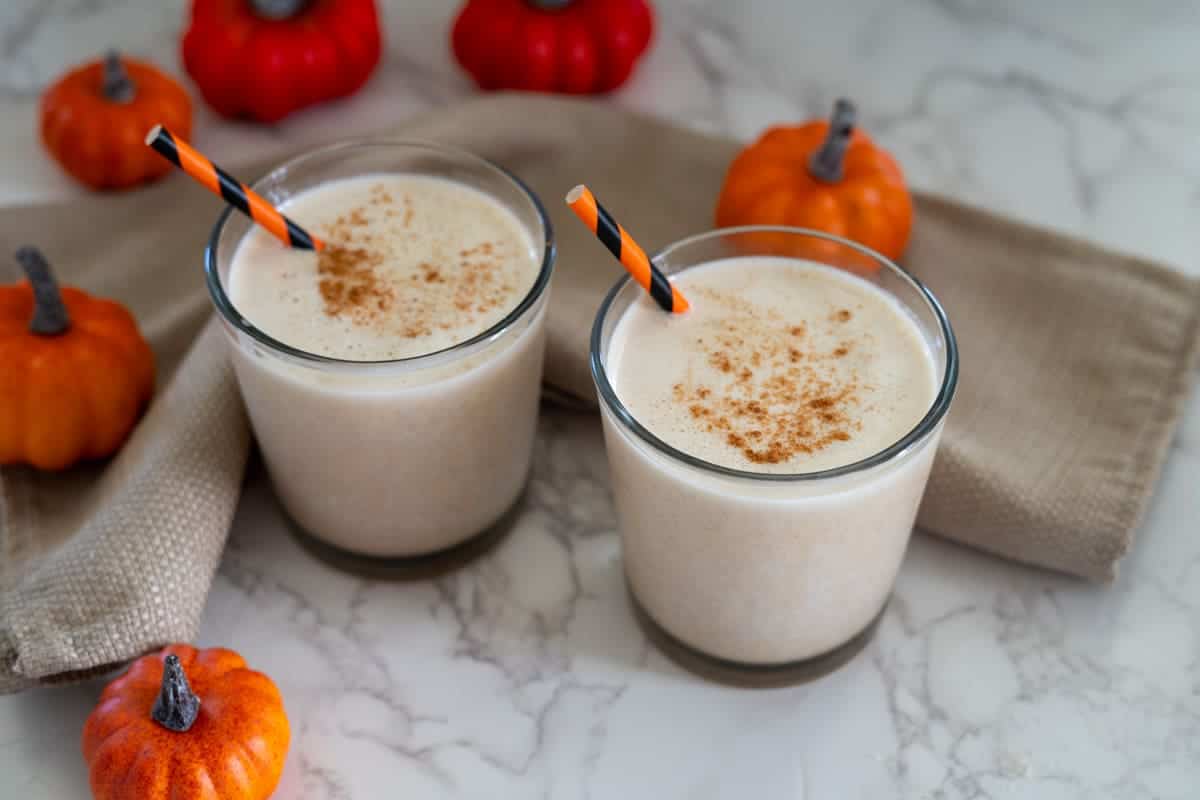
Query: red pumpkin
(264, 59)
(568, 46)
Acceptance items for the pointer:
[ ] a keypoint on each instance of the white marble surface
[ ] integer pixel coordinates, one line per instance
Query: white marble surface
(525, 675)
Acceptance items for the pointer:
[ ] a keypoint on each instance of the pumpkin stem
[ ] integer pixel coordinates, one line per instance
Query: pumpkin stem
(118, 88)
(177, 706)
(826, 163)
(50, 316)
(277, 9)
(550, 5)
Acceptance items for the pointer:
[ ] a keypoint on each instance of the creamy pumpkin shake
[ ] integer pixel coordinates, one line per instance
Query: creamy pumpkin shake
(769, 448)
(392, 380)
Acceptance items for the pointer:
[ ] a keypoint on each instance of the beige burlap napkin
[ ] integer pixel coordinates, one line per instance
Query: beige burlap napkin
(1075, 363)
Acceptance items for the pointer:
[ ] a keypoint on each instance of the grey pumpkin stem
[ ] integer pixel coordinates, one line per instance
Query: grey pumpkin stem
(118, 87)
(826, 164)
(550, 5)
(50, 316)
(277, 9)
(176, 706)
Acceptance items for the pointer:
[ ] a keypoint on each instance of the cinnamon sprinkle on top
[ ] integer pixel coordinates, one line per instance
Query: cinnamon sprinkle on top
(358, 279)
(772, 397)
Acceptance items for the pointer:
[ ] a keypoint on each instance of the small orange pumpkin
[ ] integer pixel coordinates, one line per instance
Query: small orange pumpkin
(827, 176)
(94, 121)
(187, 724)
(75, 372)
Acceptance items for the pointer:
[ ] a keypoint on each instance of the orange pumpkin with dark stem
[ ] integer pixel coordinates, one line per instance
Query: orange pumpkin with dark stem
(75, 372)
(187, 724)
(828, 176)
(94, 121)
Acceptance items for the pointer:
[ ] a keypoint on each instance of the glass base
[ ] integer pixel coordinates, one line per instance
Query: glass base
(751, 676)
(411, 568)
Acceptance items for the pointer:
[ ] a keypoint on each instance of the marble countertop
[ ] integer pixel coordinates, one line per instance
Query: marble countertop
(525, 675)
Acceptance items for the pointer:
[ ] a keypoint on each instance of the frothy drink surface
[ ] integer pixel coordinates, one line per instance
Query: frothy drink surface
(780, 365)
(414, 264)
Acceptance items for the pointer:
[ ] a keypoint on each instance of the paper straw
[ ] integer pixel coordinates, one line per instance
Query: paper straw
(234, 192)
(625, 249)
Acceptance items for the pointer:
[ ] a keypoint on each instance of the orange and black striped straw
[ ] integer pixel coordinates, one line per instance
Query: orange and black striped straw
(234, 192)
(621, 244)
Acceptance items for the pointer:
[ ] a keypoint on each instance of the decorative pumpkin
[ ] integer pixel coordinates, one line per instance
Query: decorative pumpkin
(187, 724)
(264, 59)
(825, 176)
(75, 373)
(569, 46)
(93, 121)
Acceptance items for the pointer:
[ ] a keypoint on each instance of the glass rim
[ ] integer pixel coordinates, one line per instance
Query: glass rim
(932, 418)
(231, 315)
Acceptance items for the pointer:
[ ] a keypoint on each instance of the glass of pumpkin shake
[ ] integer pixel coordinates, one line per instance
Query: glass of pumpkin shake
(392, 380)
(769, 447)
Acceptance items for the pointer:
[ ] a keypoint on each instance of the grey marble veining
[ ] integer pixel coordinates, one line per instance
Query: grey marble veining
(525, 676)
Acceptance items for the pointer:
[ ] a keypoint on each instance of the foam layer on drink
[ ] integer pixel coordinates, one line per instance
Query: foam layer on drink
(414, 264)
(780, 366)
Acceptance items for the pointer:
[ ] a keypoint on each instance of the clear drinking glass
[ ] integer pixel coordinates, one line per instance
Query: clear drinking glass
(766, 579)
(403, 466)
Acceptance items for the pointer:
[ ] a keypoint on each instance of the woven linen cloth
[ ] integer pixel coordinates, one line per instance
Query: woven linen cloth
(1075, 364)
